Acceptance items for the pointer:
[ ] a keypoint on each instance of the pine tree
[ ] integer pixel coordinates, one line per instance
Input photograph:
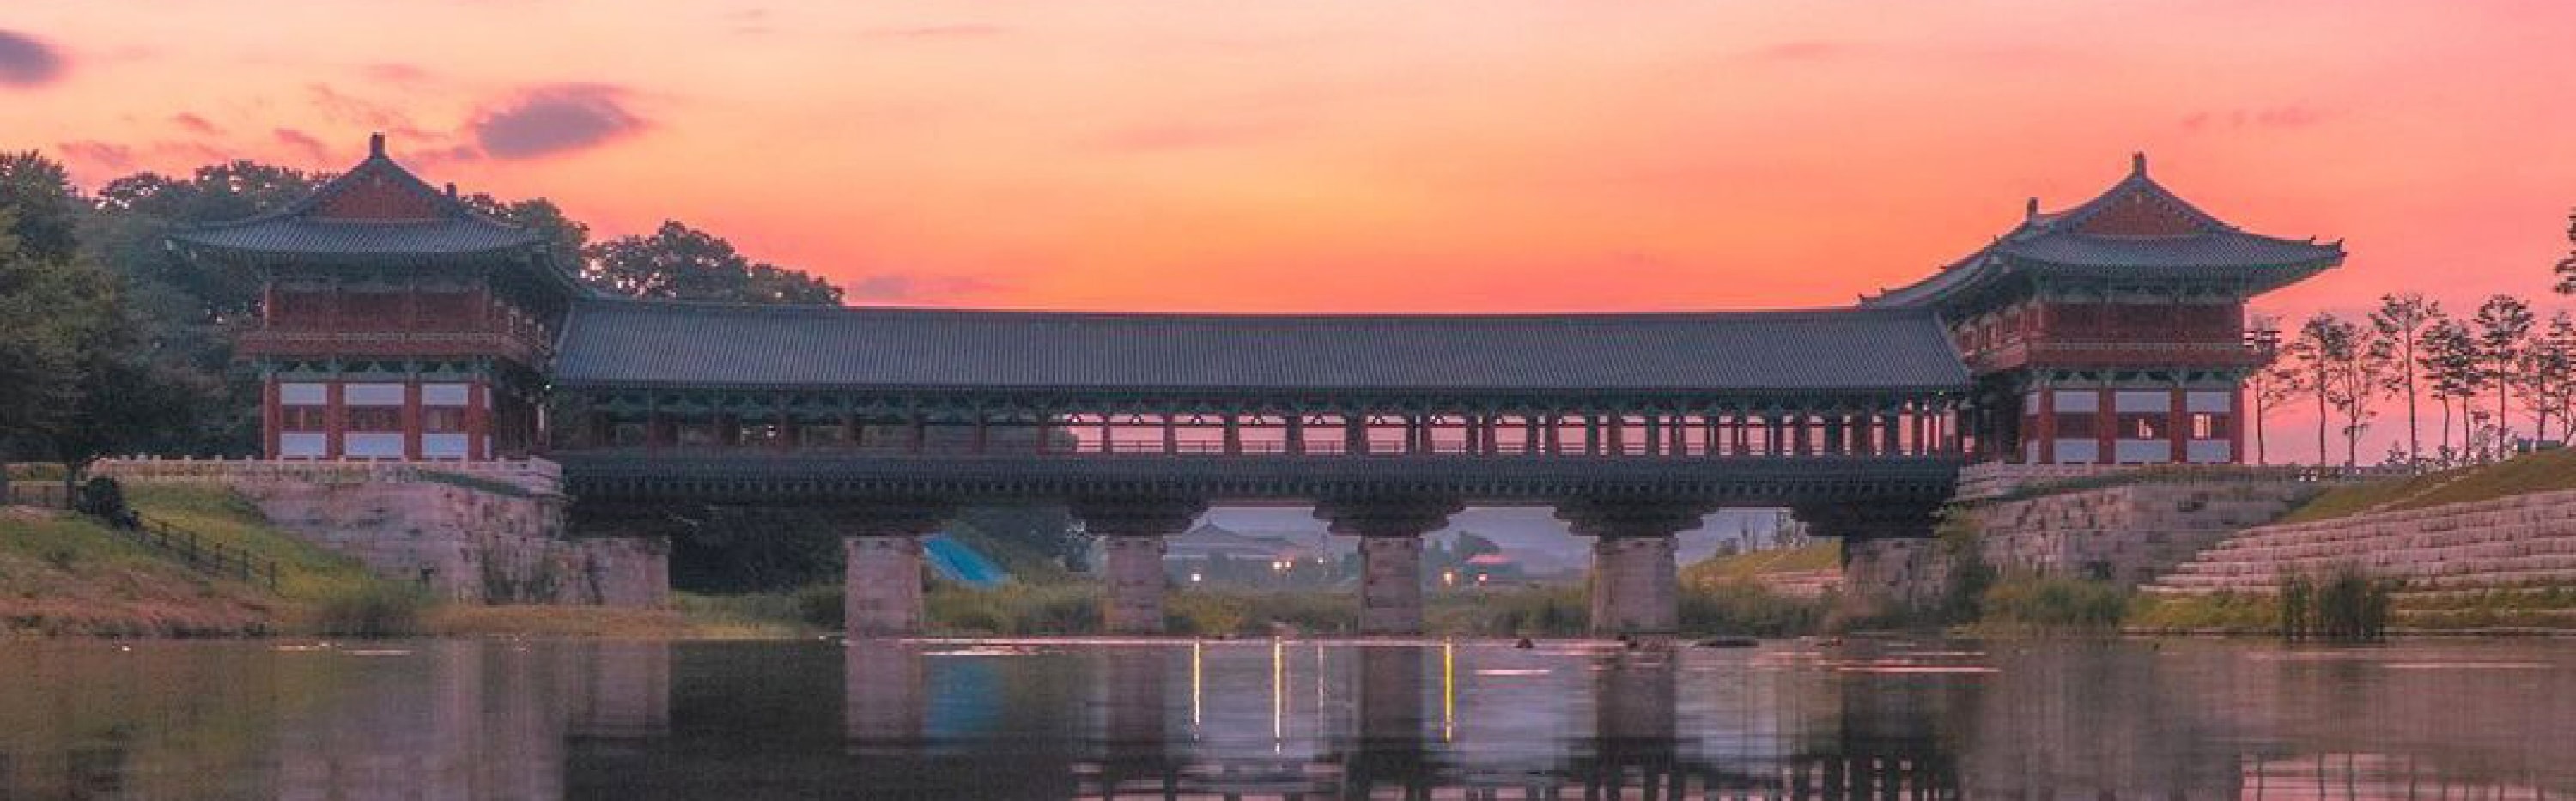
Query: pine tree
(2567, 266)
(2450, 360)
(2402, 322)
(2504, 322)
(2326, 344)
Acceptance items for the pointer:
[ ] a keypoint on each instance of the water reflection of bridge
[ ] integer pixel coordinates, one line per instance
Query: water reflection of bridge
(1303, 720)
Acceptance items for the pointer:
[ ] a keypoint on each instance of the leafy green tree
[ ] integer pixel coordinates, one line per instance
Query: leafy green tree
(2504, 323)
(2401, 322)
(46, 210)
(678, 262)
(566, 236)
(56, 314)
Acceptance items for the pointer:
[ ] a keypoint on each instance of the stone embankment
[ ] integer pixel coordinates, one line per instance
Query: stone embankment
(2128, 534)
(478, 532)
(2504, 543)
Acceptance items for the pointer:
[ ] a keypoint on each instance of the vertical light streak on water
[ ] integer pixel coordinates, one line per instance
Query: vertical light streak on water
(1448, 691)
(1278, 695)
(1195, 685)
(1319, 690)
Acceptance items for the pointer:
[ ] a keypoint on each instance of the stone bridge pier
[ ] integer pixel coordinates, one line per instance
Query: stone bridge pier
(1132, 529)
(1390, 529)
(882, 574)
(1633, 569)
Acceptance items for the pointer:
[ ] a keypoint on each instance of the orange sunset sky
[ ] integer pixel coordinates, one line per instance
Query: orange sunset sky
(1370, 155)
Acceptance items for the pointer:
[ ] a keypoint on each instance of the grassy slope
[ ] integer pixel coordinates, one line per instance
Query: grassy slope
(2538, 472)
(63, 574)
(305, 571)
(1825, 555)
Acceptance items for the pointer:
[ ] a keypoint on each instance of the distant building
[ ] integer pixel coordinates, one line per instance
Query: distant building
(1215, 555)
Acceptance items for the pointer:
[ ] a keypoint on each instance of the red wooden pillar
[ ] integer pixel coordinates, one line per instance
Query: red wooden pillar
(2106, 427)
(1233, 435)
(272, 418)
(478, 420)
(335, 419)
(2045, 427)
(411, 423)
(2179, 427)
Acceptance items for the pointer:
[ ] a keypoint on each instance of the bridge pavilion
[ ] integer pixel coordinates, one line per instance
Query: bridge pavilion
(399, 323)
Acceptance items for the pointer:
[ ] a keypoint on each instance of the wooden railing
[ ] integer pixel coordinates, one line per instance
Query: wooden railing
(47, 493)
(213, 559)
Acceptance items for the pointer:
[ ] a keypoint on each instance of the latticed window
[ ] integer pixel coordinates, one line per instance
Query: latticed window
(301, 418)
(374, 418)
(442, 420)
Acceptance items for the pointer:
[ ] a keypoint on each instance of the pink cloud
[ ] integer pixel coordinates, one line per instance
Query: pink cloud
(195, 124)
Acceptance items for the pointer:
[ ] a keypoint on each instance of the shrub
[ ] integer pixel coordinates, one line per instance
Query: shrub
(1749, 609)
(2053, 602)
(103, 498)
(372, 609)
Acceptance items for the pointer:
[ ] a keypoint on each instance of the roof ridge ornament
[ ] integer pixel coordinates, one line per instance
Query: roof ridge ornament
(376, 145)
(2138, 163)
(2030, 210)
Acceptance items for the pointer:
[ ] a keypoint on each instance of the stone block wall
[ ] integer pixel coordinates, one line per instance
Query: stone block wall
(1911, 573)
(2129, 535)
(467, 544)
(2518, 541)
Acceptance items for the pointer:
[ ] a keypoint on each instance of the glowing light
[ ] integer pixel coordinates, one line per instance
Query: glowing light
(1278, 693)
(1195, 687)
(1448, 691)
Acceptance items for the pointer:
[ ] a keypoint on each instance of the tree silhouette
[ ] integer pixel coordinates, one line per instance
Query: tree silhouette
(678, 262)
(2504, 322)
(2401, 322)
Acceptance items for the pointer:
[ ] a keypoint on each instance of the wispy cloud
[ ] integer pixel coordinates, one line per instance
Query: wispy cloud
(304, 144)
(549, 120)
(190, 122)
(397, 73)
(26, 61)
(96, 154)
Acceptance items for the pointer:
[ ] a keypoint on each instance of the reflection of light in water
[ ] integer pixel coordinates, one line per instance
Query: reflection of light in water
(1448, 691)
(1319, 690)
(1278, 694)
(1512, 671)
(1194, 690)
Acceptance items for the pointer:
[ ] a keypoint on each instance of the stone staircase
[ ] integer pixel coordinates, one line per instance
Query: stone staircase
(2517, 541)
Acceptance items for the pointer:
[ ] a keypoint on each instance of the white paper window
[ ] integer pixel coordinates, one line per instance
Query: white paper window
(371, 394)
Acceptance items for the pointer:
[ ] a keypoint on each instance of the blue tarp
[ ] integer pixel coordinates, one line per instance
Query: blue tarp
(954, 561)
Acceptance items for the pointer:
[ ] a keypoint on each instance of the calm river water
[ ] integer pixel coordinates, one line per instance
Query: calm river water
(1269, 719)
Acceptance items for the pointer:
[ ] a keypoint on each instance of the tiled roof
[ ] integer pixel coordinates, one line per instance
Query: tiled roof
(377, 208)
(660, 343)
(2137, 228)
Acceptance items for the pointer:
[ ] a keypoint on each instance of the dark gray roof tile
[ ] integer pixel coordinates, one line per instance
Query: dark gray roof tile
(638, 343)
